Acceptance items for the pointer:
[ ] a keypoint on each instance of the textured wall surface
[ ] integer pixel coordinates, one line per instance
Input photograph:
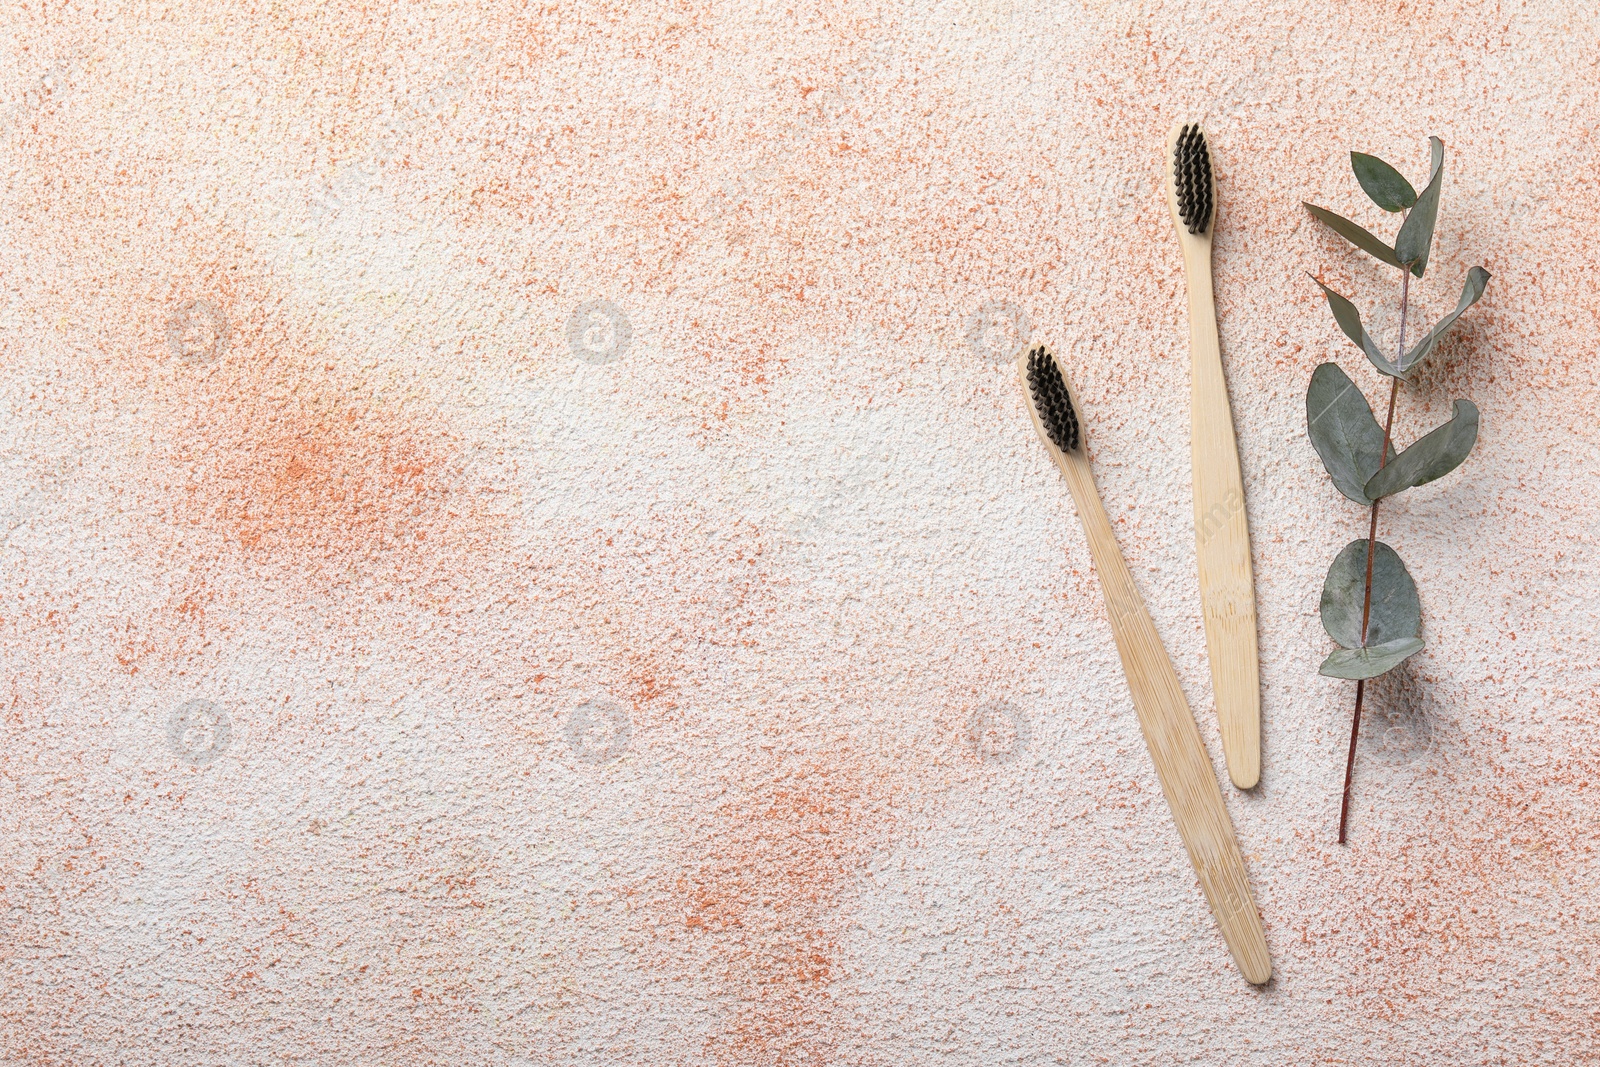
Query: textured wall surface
(518, 543)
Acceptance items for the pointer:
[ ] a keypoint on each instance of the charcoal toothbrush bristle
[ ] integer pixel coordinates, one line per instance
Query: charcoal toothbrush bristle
(1051, 400)
(1191, 176)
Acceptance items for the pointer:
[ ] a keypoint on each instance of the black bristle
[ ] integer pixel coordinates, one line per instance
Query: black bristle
(1051, 400)
(1191, 176)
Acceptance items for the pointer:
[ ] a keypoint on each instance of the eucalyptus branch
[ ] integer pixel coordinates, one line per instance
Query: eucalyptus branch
(1360, 458)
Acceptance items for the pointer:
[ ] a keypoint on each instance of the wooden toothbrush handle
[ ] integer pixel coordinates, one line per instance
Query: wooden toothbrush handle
(1222, 534)
(1187, 778)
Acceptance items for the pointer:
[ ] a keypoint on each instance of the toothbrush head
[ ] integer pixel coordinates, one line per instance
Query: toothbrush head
(1191, 178)
(1051, 400)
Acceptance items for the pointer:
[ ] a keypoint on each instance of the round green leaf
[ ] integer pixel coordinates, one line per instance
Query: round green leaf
(1477, 279)
(1349, 320)
(1358, 663)
(1347, 437)
(1415, 238)
(1396, 612)
(1431, 458)
(1386, 186)
(1356, 235)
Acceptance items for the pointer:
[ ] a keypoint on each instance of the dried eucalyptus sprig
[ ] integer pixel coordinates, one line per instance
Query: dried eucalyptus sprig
(1369, 602)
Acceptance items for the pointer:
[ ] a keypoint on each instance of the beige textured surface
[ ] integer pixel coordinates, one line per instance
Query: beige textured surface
(649, 711)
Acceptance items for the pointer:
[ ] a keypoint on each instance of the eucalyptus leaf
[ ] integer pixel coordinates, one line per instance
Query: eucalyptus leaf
(1431, 458)
(1416, 233)
(1386, 186)
(1396, 612)
(1359, 663)
(1357, 236)
(1471, 292)
(1347, 437)
(1349, 320)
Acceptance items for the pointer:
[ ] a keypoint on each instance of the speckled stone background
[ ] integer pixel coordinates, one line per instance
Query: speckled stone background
(518, 544)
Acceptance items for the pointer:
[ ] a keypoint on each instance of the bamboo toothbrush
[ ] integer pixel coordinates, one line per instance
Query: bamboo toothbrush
(1187, 778)
(1221, 531)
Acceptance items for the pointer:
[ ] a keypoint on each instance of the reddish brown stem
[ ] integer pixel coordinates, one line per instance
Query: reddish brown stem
(1372, 549)
(1350, 761)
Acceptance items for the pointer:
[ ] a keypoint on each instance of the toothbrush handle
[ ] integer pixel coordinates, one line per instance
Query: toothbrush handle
(1188, 779)
(1222, 534)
